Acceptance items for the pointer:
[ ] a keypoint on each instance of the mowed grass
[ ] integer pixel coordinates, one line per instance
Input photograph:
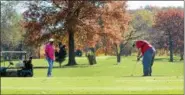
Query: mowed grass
(103, 78)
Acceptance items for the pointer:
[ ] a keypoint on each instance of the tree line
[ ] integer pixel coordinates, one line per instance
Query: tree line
(92, 26)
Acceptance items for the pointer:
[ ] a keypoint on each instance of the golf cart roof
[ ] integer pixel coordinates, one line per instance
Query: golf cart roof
(13, 51)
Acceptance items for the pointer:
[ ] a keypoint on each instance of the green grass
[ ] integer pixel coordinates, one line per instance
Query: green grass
(103, 78)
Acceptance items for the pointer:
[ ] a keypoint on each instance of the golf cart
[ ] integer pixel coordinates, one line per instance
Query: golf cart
(3, 70)
(22, 69)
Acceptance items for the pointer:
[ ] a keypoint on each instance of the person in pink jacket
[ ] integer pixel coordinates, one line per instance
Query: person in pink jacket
(50, 56)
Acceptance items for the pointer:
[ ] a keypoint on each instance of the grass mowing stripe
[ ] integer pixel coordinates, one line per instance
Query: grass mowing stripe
(94, 88)
(85, 77)
(122, 80)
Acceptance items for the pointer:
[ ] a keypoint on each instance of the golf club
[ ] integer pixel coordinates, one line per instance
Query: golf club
(133, 70)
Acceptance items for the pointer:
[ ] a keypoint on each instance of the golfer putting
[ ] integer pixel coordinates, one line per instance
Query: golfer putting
(147, 51)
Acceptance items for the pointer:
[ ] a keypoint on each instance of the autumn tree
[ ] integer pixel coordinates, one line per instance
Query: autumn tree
(71, 17)
(77, 23)
(171, 23)
(142, 21)
(115, 20)
(113, 25)
(11, 35)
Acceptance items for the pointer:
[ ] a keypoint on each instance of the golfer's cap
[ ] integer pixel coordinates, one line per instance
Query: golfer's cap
(51, 40)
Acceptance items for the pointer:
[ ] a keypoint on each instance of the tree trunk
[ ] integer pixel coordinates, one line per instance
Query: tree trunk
(171, 47)
(71, 60)
(118, 58)
(118, 54)
(182, 56)
(60, 64)
(39, 51)
(105, 51)
(182, 53)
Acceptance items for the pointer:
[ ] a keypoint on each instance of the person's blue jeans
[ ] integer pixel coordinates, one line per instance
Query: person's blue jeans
(148, 59)
(50, 62)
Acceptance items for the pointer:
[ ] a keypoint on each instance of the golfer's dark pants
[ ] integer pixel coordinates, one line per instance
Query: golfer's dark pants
(148, 59)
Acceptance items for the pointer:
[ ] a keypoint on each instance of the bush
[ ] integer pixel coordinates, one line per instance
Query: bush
(91, 57)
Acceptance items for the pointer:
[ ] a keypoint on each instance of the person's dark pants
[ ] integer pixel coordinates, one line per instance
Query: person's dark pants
(148, 59)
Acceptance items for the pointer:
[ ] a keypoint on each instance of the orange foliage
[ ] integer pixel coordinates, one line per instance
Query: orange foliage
(82, 17)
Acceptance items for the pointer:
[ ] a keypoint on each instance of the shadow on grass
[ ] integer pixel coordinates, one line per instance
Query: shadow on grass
(77, 66)
(164, 60)
(132, 76)
(63, 67)
(168, 60)
(178, 76)
(156, 59)
(161, 59)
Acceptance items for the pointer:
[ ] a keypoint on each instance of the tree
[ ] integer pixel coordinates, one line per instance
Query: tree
(140, 26)
(142, 21)
(76, 22)
(11, 35)
(74, 15)
(170, 21)
(115, 23)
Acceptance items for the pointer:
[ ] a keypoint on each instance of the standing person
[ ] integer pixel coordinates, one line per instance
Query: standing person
(148, 52)
(61, 54)
(50, 56)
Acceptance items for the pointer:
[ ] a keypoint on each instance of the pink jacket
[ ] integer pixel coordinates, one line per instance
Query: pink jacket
(49, 51)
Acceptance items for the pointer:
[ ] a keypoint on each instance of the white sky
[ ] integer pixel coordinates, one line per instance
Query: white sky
(138, 4)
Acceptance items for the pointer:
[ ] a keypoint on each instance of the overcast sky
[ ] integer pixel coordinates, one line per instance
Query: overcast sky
(138, 4)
